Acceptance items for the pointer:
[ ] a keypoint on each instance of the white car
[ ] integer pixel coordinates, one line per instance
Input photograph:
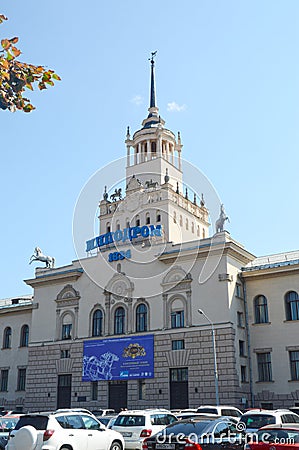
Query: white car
(254, 419)
(221, 410)
(65, 430)
(137, 425)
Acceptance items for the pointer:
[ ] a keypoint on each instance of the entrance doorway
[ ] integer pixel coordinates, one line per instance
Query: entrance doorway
(179, 388)
(118, 395)
(64, 391)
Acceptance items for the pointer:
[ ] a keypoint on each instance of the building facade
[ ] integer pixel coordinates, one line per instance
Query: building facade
(144, 278)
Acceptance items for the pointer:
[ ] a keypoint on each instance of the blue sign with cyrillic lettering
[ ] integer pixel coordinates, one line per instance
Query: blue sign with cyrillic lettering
(123, 235)
(118, 358)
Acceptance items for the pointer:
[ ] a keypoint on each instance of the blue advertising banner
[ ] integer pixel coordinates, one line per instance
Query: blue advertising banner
(118, 358)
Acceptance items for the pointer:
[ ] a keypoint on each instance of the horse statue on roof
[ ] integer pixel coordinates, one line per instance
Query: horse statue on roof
(219, 225)
(116, 194)
(38, 256)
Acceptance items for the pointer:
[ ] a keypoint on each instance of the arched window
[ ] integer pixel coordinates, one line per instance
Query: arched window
(261, 309)
(97, 323)
(141, 317)
(117, 225)
(108, 227)
(127, 223)
(198, 231)
(177, 316)
(137, 223)
(174, 217)
(187, 224)
(203, 233)
(147, 218)
(192, 227)
(7, 338)
(119, 321)
(24, 337)
(158, 218)
(292, 305)
(181, 221)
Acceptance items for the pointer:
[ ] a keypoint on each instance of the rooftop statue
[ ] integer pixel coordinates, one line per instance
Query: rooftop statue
(38, 256)
(219, 225)
(116, 194)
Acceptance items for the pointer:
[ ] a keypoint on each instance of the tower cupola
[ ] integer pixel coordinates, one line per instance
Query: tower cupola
(154, 148)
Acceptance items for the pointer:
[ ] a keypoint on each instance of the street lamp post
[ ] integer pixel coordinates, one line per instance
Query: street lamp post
(215, 356)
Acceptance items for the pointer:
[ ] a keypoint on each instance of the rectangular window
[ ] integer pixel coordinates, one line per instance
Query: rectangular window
(65, 354)
(66, 331)
(241, 348)
(141, 389)
(264, 366)
(239, 290)
(21, 380)
(243, 374)
(294, 365)
(177, 319)
(178, 344)
(94, 390)
(180, 374)
(4, 380)
(240, 319)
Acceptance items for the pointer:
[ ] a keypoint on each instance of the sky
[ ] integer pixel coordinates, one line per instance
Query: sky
(227, 78)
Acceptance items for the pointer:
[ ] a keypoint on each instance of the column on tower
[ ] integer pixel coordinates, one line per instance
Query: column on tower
(128, 156)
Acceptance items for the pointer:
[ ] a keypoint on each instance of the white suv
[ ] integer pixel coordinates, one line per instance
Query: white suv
(65, 430)
(137, 425)
(231, 411)
(254, 419)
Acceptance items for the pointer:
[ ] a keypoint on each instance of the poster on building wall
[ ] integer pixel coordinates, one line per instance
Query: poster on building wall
(118, 358)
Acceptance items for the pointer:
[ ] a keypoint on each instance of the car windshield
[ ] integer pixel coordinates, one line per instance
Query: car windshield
(207, 410)
(129, 420)
(7, 424)
(257, 420)
(38, 422)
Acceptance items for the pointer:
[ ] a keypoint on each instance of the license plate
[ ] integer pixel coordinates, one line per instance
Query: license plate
(165, 446)
(126, 434)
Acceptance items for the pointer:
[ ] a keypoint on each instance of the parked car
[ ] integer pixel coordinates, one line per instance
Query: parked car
(189, 415)
(280, 437)
(103, 412)
(254, 419)
(136, 425)
(63, 431)
(220, 410)
(107, 420)
(7, 424)
(194, 434)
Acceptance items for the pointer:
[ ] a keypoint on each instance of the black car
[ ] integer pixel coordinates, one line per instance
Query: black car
(194, 434)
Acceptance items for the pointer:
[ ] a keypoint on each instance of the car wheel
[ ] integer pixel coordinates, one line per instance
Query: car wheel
(25, 438)
(116, 446)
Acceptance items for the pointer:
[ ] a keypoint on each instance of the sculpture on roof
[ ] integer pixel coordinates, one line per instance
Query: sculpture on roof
(219, 225)
(38, 256)
(151, 184)
(116, 194)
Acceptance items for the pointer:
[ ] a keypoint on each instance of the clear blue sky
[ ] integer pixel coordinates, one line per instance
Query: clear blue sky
(232, 69)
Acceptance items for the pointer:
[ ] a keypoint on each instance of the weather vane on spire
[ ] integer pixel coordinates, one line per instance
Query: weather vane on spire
(152, 58)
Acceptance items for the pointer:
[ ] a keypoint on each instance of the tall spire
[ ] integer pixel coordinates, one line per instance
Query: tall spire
(153, 93)
(153, 119)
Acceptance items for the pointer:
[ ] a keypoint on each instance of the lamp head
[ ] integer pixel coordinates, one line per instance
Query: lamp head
(200, 311)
